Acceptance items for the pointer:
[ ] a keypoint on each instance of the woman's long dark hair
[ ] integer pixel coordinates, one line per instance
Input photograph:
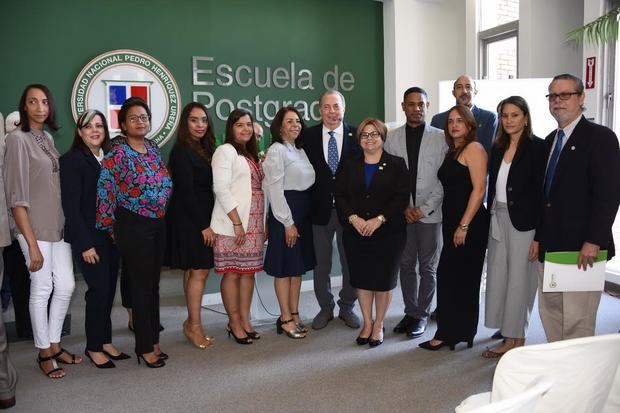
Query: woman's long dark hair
(83, 120)
(250, 149)
(51, 104)
(502, 139)
(206, 145)
(469, 121)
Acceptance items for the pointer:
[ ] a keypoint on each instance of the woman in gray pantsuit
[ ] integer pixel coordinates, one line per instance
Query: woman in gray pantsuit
(516, 173)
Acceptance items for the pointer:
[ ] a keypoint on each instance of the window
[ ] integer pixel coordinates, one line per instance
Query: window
(499, 29)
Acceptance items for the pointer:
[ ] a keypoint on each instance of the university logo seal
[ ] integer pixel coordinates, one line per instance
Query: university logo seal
(112, 77)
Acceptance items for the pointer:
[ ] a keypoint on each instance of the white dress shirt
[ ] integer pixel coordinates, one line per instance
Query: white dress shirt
(339, 135)
(286, 168)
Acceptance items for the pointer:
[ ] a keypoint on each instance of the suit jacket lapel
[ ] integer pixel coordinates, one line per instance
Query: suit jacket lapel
(92, 161)
(377, 175)
(521, 149)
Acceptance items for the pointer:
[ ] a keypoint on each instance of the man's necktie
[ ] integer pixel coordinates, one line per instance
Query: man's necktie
(554, 161)
(332, 152)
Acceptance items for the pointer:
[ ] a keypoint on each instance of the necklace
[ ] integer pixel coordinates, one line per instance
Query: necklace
(40, 140)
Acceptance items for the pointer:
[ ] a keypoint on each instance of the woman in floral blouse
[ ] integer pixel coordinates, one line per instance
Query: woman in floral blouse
(132, 194)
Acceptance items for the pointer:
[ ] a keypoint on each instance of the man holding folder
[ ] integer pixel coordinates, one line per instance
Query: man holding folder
(582, 194)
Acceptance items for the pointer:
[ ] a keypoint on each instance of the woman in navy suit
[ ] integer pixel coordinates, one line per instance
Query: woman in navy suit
(372, 192)
(93, 250)
(516, 173)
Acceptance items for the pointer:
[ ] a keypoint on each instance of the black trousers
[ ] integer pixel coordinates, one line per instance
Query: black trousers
(141, 242)
(16, 270)
(101, 279)
(125, 291)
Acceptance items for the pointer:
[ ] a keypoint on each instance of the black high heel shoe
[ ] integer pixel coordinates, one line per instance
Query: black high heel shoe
(428, 346)
(361, 341)
(294, 334)
(253, 335)
(121, 356)
(300, 326)
(161, 355)
(154, 365)
(470, 343)
(374, 343)
(107, 365)
(239, 340)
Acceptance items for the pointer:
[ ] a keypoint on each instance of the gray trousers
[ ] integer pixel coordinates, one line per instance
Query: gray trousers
(423, 248)
(323, 239)
(8, 375)
(511, 278)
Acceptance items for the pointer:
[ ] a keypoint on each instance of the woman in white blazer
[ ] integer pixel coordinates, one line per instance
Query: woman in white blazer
(237, 220)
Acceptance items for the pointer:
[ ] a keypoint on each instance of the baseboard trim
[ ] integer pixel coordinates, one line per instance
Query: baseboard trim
(306, 285)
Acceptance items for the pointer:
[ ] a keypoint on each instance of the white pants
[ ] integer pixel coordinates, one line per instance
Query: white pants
(56, 275)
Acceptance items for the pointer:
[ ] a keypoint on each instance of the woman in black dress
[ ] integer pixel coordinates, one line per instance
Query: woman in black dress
(190, 236)
(93, 251)
(372, 192)
(465, 230)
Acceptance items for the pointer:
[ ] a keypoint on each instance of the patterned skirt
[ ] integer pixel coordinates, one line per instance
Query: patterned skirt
(246, 258)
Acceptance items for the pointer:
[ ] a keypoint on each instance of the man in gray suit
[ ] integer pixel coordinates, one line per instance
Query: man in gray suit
(423, 147)
(8, 376)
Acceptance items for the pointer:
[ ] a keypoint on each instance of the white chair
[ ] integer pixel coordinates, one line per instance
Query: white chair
(521, 403)
(584, 371)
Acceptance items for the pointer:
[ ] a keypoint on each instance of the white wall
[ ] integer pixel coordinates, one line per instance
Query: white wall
(424, 43)
(543, 49)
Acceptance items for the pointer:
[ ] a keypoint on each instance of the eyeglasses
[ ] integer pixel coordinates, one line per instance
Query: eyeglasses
(563, 96)
(369, 135)
(135, 118)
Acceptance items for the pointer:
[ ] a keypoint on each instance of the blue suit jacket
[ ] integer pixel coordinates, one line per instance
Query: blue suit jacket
(486, 122)
(585, 193)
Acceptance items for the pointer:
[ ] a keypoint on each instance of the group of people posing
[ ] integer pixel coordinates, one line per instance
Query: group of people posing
(409, 201)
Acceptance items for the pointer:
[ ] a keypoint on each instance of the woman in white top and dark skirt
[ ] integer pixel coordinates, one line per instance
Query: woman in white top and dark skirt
(516, 172)
(290, 252)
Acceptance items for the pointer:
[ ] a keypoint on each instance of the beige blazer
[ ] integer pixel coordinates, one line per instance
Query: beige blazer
(232, 187)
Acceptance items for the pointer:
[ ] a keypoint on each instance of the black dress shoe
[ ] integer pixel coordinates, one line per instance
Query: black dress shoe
(497, 335)
(416, 329)
(404, 324)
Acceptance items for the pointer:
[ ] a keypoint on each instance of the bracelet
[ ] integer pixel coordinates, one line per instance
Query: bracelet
(464, 227)
(381, 218)
(237, 224)
(351, 217)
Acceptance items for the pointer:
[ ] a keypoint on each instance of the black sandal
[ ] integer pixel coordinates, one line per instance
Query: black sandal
(60, 353)
(55, 368)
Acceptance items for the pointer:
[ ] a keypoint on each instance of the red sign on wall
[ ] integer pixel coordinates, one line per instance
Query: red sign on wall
(590, 72)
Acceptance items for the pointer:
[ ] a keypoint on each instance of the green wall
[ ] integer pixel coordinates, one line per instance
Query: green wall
(49, 42)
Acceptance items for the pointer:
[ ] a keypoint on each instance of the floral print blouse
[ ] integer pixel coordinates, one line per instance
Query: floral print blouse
(132, 180)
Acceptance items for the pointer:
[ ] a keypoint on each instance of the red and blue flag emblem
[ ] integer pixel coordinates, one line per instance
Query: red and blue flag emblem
(118, 92)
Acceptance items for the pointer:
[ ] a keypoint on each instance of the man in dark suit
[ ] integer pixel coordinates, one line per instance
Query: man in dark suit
(580, 202)
(464, 90)
(327, 145)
